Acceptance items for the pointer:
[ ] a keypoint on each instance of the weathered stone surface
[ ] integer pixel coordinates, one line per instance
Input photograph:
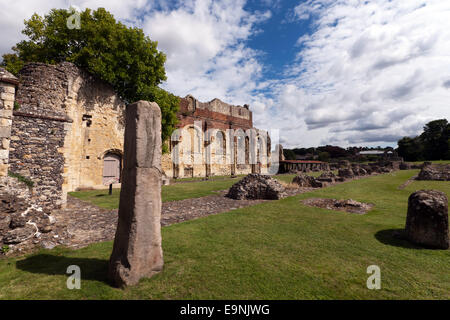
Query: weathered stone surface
(348, 205)
(23, 225)
(256, 186)
(48, 245)
(68, 119)
(17, 221)
(405, 166)
(19, 235)
(344, 164)
(328, 176)
(438, 172)
(375, 168)
(427, 219)
(303, 180)
(346, 173)
(137, 251)
(357, 171)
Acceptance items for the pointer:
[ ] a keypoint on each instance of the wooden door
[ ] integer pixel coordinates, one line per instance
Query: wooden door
(111, 168)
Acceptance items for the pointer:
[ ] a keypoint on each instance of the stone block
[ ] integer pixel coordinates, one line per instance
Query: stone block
(427, 219)
(6, 114)
(5, 131)
(7, 96)
(137, 250)
(3, 170)
(4, 154)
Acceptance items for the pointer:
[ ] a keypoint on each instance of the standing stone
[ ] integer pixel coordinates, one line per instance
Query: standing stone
(427, 219)
(137, 250)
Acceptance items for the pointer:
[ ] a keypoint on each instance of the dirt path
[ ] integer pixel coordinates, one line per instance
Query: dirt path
(407, 183)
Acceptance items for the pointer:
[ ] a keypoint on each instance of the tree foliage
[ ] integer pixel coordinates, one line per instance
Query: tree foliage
(432, 144)
(324, 156)
(289, 154)
(123, 56)
(435, 137)
(411, 149)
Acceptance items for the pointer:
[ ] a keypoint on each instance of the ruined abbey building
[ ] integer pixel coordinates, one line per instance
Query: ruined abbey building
(63, 129)
(214, 139)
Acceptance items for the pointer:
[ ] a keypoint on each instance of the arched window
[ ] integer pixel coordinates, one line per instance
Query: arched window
(247, 150)
(240, 146)
(221, 145)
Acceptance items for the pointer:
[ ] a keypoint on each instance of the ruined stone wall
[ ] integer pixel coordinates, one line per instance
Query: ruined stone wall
(67, 121)
(35, 154)
(214, 114)
(8, 85)
(38, 132)
(97, 128)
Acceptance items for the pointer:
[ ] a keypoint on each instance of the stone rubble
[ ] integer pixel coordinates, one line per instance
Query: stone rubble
(348, 205)
(303, 180)
(256, 186)
(436, 172)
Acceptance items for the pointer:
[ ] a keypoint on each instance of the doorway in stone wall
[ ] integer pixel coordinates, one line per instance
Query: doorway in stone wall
(112, 166)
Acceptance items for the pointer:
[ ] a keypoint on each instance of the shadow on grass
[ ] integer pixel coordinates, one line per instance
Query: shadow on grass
(91, 269)
(396, 238)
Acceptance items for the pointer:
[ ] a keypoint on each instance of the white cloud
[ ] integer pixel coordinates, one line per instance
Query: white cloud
(13, 14)
(205, 45)
(371, 72)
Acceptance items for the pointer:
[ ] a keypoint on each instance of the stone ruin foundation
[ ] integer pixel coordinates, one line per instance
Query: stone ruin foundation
(256, 186)
(306, 181)
(137, 250)
(436, 172)
(349, 205)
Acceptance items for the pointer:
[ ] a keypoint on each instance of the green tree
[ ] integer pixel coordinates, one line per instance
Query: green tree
(411, 149)
(289, 154)
(123, 56)
(12, 63)
(324, 156)
(435, 137)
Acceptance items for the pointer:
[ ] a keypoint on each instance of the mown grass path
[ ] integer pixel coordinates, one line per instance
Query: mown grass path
(274, 250)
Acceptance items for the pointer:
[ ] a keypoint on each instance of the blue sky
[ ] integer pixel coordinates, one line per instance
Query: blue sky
(277, 40)
(341, 72)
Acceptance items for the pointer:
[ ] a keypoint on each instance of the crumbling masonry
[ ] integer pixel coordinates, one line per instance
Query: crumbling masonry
(63, 129)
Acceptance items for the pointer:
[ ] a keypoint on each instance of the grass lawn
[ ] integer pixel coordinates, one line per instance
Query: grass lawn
(176, 191)
(274, 250)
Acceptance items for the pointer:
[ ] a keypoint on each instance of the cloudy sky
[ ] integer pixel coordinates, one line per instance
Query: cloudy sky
(342, 72)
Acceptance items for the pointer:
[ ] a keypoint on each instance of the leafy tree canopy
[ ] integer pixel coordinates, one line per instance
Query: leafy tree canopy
(123, 56)
(432, 144)
(435, 136)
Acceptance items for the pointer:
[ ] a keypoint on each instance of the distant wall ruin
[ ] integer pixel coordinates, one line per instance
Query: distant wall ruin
(195, 119)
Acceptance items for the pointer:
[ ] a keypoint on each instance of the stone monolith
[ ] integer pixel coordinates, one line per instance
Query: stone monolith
(427, 219)
(137, 251)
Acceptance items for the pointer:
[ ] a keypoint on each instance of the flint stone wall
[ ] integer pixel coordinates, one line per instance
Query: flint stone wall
(67, 121)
